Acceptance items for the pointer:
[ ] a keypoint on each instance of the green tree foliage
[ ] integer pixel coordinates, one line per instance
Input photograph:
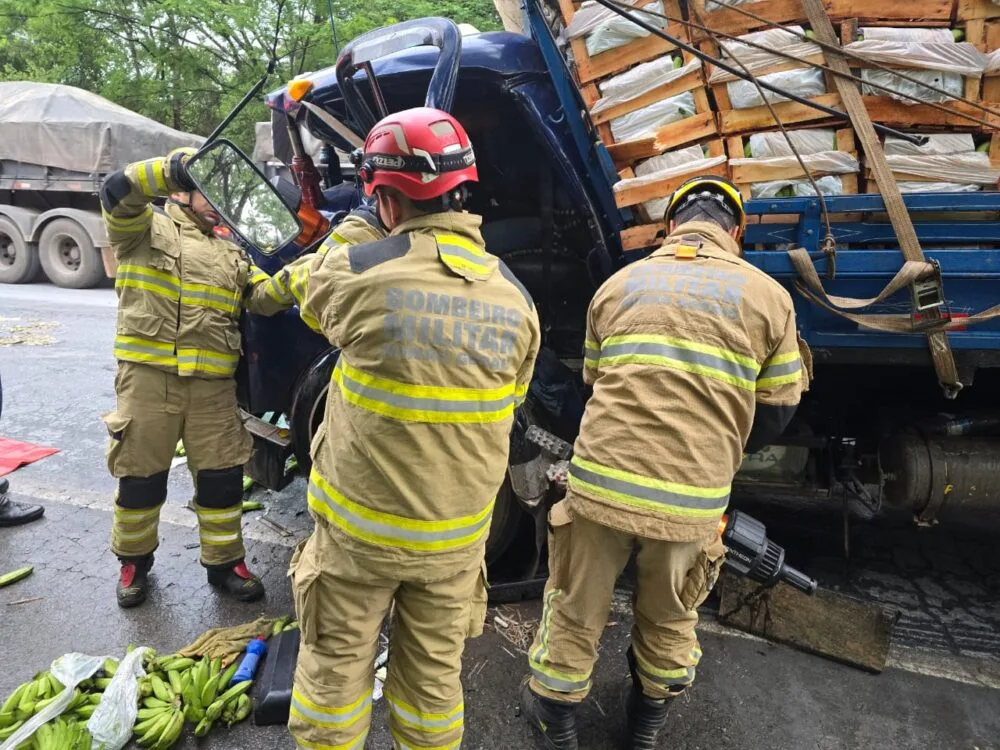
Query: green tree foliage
(186, 63)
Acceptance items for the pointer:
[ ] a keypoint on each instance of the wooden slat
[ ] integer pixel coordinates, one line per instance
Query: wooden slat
(568, 10)
(662, 188)
(642, 236)
(750, 173)
(991, 91)
(690, 82)
(682, 133)
(971, 9)
(620, 58)
(888, 111)
(759, 118)
(995, 148)
(889, 13)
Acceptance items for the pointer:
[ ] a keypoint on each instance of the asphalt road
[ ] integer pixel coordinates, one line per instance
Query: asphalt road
(940, 690)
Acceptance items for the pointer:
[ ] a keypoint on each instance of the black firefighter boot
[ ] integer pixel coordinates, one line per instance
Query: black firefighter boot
(645, 716)
(237, 581)
(555, 720)
(133, 581)
(15, 514)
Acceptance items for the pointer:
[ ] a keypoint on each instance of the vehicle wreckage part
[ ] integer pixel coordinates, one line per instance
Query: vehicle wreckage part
(935, 475)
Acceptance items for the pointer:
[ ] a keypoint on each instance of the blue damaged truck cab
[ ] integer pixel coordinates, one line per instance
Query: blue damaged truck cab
(875, 421)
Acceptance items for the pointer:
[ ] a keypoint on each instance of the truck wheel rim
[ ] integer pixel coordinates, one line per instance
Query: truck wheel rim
(8, 255)
(69, 253)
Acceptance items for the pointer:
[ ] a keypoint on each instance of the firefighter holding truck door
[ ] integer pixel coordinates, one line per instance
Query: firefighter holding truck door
(693, 357)
(181, 291)
(438, 341)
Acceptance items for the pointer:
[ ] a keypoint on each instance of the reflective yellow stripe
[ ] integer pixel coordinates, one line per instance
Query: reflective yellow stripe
(462, 254)
(520, 392)
(545, 675)
(147, 179)
(408, 716)
(423, 403)
(257, 276)
(665, 677)
(148, 279)
(129, 224)
(387, 529)
(644, 492)
(136, 349)
(158, 176)
(191, 361)
(205, 295)
(680, 354)
(216, 540)
(591, 351)
(327, 246)
(780, 370)
(327, 717)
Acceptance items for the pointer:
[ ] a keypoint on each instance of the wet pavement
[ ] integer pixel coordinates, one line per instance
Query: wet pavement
(940, 691)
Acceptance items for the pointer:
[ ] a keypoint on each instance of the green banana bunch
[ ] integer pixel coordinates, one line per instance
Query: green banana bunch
(60, 734)
(158, 728)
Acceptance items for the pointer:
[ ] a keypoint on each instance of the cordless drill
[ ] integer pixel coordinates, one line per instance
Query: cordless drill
(748, 550)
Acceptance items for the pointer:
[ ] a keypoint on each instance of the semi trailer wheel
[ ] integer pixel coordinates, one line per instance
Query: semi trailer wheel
(68, 255)
(19, 262)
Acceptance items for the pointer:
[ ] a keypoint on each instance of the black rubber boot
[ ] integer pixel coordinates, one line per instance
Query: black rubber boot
(16, 514)
(237, 581)
(133, 582)
(555, 721)
(645, 716)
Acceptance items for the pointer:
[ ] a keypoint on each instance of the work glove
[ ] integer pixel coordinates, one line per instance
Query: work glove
(177, 165)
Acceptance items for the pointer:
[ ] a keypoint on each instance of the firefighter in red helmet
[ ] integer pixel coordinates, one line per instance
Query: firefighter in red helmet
(437, 345)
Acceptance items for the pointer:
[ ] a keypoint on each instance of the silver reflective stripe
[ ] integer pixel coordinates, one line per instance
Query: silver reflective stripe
(197, 359)
(729, 367)
(683, 677)
(557, 683)
(772, 371)
(395, 532)
(210, 296)
(426, 724)
(150, 178)
(423, 404)
(647, 493)
(331, 717)
(129, 274)
(461, 252)
(140, 349)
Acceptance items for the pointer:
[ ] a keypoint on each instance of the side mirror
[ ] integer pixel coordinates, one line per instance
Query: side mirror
(243, 196)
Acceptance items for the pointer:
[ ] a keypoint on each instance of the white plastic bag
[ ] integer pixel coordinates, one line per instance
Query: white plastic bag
(757, 59)
(112, 721)
(70, 670)
(993, 62)
(902, 90)
(640, 80)
(764, 145)
(896, 34)
(618, 31)
(955, 57)
(836, 162)
(804, 82)
(647, 120)
(938, 143)
(828, 185)
(936, 187)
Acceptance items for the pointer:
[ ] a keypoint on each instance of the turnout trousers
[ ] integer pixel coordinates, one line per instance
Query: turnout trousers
(156, 409)
(341, 600)
(585, 560)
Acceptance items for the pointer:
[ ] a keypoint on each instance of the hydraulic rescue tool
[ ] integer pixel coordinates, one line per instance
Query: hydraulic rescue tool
(751, 554)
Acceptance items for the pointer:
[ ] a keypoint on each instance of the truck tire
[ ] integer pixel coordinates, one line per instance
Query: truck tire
(18, 259)
(69, 257)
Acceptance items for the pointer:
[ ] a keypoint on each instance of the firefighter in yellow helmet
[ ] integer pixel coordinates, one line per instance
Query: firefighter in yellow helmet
(693, 357)
(181, 290)
(438, 341)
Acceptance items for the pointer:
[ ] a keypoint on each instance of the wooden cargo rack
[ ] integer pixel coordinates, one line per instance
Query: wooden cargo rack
(919, 13)
(746, 175)
(590, 68)
(968, 10)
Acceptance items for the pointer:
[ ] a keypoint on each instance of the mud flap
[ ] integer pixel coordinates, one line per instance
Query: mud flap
(827, 624)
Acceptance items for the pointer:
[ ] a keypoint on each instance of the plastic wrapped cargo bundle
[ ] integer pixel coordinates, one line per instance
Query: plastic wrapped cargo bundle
(672, 164)
(993, 62)
(756, 59)
(804, 82)
(641, 79)
(974, 168)
(955, 57)
(812, 141)
(906, 91)
(936, 187)
(711, 5)
(828, 185)
(938, 144)
(589, 16)
(618, 31)
(649, 119)
(896, 34)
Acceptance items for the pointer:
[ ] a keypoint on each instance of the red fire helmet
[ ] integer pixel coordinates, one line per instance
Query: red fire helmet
(422, 152)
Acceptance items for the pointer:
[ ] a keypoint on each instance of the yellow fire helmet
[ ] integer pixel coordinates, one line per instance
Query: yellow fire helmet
(718, 188)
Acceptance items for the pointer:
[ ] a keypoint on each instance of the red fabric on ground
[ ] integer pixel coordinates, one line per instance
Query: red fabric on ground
(14, 454)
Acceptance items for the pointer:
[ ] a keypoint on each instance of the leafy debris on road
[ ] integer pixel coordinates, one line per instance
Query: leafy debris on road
(30, 333)
(517, 630)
